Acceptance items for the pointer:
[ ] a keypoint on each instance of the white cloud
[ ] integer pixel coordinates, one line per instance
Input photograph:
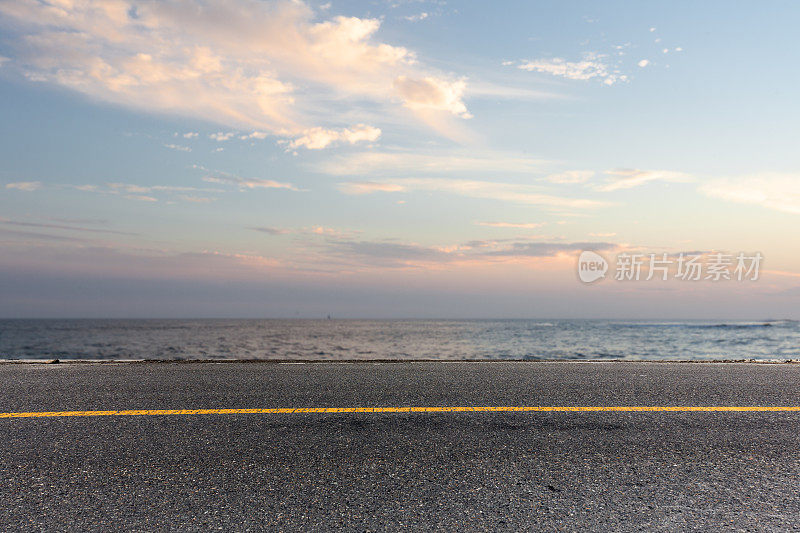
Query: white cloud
(178, 147)
(416, 18)
(652, 30)
(504, 192)
(401, 163)
(27, 186)
(145, 193)
(133, 188)
(591, 66)
(190, 135)
(330, 232)
(369, 187)
(141, 198)
(221, 136)
(488, 89)
(235, 63)
(318, 138)
(571, 176)
(127, 187)
(511, 225)
(248, 183)
(254, 135)
(643, 63)
(432, 94)
(780, 192)
(627, 178)
(323, 231)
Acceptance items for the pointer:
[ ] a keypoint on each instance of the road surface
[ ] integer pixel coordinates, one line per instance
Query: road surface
(467, 469)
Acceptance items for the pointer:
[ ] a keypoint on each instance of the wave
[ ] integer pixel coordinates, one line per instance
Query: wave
(720, 325)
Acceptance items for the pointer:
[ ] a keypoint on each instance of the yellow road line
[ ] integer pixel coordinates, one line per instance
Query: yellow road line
(332, 410)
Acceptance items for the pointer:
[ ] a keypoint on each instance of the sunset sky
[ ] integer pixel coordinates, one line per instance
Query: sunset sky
(393, 159)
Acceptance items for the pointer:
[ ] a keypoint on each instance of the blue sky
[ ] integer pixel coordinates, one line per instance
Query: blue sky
(413, 159)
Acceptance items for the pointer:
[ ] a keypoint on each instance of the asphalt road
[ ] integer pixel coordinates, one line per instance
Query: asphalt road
(370, 471)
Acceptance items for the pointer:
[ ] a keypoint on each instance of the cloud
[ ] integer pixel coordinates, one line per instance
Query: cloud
(126, 187)
(571, 176)
(322, 231)
(145, 193)
(549, 249)
(591, 66)
(491, 90)
(133, 188)
(321, 254)
(196, 199)
(140, 197)
(432, 94)
(369, 187)
(777, 191)
(403, 255)
(178, 147)
(628, 178)
(643, 63)
(66, 256)
(416, 18)
(510, 225)
(401, 163)
(504, 192)
(244, 64)
(248, 183)
(61, 227)
(27, 186)
(40, 236)
(330, 232)
(318, 138)
(272, 231)
(389, 254)
(190, 135)
(222, 136)
(254, 135)
(81, 220)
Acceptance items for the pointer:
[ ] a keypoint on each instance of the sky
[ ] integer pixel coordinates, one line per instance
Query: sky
(396, 159)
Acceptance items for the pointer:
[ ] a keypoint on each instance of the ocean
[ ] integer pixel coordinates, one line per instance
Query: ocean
(398, 339)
